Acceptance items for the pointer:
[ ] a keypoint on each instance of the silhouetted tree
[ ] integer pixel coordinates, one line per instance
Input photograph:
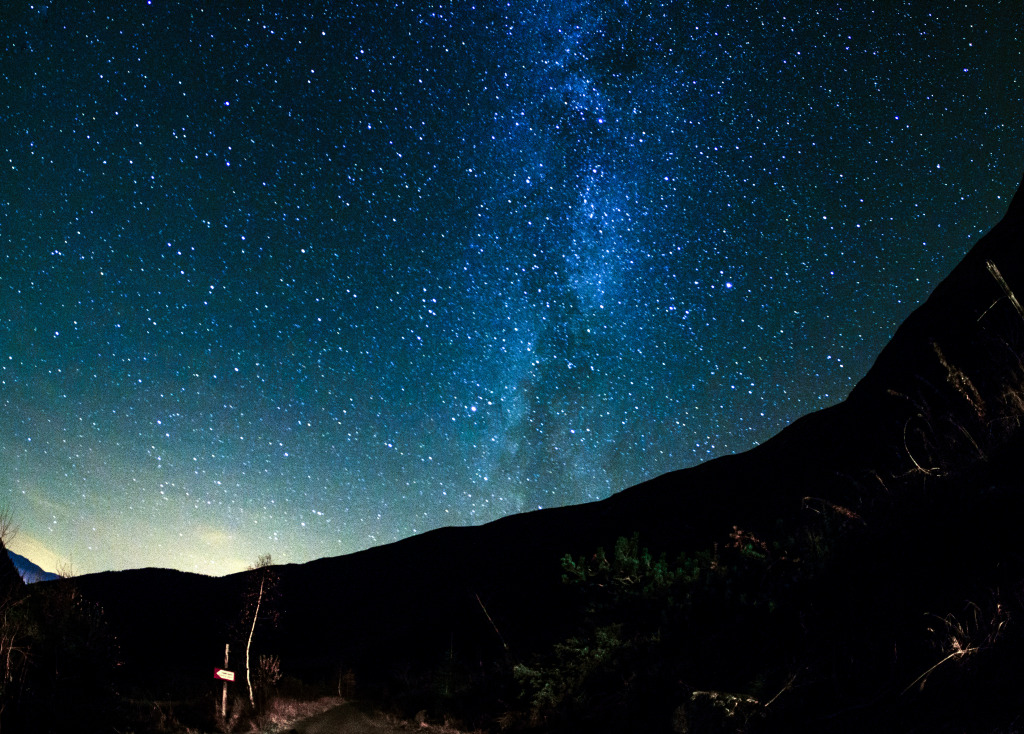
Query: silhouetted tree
(262, 583)
(13, 622)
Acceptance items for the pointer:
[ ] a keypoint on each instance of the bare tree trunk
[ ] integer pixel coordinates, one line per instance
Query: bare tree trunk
(255, 616)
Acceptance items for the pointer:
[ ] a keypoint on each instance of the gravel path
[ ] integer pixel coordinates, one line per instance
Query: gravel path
(344, 719)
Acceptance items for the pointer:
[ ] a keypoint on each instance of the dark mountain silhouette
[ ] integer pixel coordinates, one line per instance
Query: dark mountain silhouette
(29, 571)
(915, 474)
(11, 582)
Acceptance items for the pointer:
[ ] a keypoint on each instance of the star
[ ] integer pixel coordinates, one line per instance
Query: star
(309, 280)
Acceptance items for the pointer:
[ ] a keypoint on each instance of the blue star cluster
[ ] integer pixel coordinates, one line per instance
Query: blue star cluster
(307, 277)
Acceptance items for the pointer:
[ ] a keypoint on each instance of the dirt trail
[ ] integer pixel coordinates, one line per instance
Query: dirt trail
(344, 719)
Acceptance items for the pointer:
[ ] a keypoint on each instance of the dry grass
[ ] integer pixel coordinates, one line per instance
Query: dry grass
(960, 637)
(282, 713)
(422, 724)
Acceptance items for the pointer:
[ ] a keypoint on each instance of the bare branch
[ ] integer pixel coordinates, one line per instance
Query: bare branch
(8, 530)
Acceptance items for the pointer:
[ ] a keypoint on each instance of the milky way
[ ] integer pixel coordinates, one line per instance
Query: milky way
(314, 277)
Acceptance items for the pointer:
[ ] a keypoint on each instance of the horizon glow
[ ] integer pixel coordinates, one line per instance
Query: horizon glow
(312, 278)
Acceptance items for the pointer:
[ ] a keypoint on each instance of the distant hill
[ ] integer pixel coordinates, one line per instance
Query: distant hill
(864, 550)
(29, 571)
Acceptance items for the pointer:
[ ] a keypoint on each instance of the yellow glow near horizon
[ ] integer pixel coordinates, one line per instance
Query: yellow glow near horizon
(37, 552)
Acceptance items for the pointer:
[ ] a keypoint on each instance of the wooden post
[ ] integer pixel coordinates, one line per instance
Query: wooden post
(224, 695)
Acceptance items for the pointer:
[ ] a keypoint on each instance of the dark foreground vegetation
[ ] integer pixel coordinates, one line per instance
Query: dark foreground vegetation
(904, 615)
(860, 572)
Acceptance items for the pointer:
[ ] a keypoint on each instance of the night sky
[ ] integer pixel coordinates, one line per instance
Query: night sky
(311, 277)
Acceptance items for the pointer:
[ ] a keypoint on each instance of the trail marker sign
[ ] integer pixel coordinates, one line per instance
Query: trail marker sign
(224, 675)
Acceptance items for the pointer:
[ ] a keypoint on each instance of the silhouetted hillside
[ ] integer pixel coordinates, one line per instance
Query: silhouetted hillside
(11, 582)
(825, 570)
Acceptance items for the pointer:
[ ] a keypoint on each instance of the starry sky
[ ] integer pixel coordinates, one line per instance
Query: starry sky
(302, 278)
